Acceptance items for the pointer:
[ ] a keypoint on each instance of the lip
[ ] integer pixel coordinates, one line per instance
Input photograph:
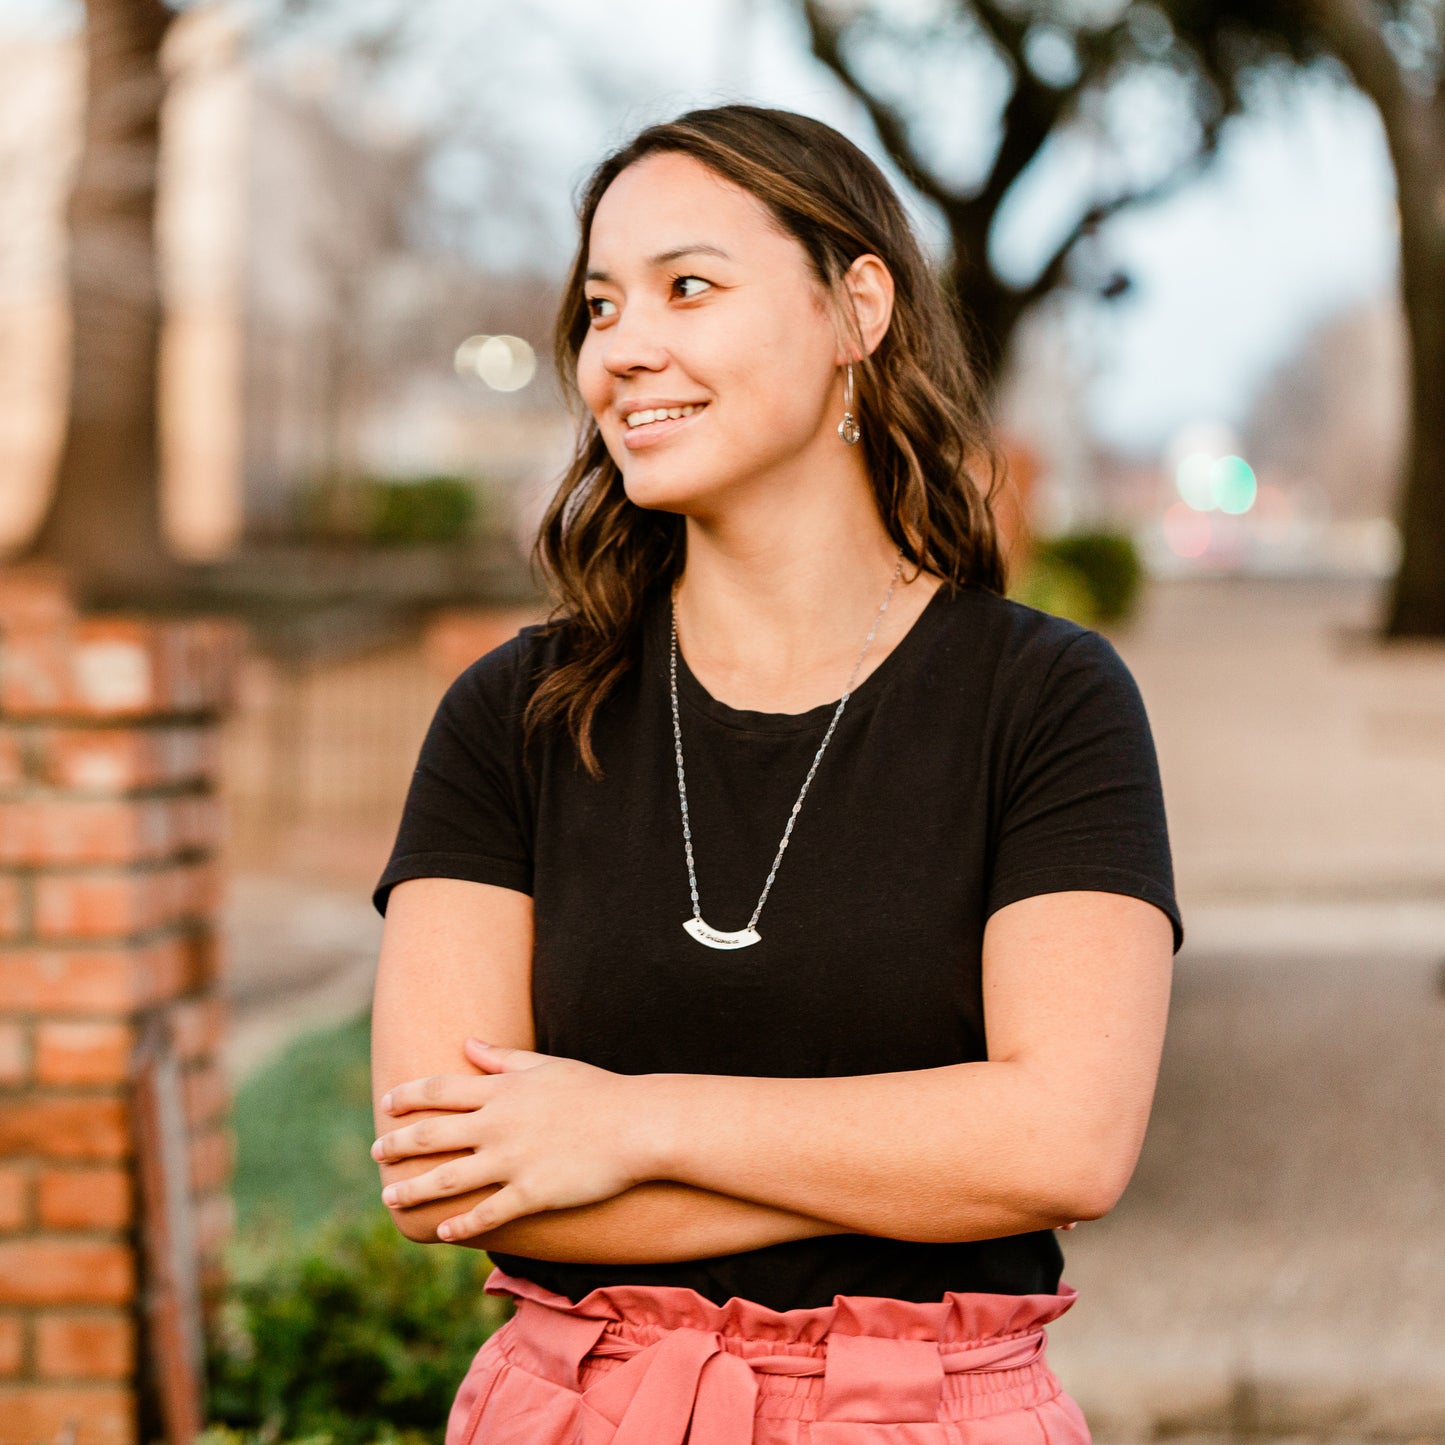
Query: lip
(658, 431)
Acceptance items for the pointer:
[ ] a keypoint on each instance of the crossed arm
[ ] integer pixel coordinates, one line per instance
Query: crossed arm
(432, 990)
(1046, 1131)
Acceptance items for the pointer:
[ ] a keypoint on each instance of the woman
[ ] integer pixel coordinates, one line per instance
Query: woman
(779, 940)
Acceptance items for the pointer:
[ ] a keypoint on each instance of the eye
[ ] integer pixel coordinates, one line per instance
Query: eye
(592, 302)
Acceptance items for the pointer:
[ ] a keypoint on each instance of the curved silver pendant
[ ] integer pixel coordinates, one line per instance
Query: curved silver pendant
(716, 939)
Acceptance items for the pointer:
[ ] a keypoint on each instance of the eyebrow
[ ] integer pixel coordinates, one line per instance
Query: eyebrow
(697, 248)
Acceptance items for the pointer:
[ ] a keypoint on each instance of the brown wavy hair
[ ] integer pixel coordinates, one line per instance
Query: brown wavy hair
(923, 411)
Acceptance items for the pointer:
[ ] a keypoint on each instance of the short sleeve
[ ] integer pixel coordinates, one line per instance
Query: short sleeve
(1083, 806)
(464, 811)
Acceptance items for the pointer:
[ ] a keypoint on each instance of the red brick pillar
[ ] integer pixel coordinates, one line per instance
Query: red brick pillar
(109, 890)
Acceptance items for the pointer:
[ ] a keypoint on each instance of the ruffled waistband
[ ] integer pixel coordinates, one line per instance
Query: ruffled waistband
(956, 1318)
(677, 1361)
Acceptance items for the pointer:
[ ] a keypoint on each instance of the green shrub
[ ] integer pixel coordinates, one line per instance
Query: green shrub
(226, 1435)
(1108, 563)
(389, 510)
(229, 1435)
(336, 1329)
(1053, 586)
(359, 1335)
(427, 509)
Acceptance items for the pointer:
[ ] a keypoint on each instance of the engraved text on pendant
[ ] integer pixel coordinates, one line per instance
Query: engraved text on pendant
(717, 939)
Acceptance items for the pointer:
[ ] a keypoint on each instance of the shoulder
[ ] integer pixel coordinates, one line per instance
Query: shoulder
(1019, 642)
(1037, 671)
(501, 680)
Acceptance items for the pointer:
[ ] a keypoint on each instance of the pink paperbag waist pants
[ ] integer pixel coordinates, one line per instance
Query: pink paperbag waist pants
(646, 1365)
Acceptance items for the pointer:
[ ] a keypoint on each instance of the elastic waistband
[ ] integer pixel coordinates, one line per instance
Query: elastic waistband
(674, 1358)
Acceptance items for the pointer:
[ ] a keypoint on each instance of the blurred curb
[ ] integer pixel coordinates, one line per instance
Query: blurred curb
(1411, 925)
(1129, 1402)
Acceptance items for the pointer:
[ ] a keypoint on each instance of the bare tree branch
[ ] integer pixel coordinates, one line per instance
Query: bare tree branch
(1052, 275)
(1353, 35)
(824, 37)
(1033, 112)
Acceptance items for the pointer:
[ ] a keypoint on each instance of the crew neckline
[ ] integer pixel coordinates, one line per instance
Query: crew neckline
(697, 698)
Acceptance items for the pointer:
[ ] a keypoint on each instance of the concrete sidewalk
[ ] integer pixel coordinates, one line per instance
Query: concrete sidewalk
(301, 957)
(1301, 760)
(1277, 1265)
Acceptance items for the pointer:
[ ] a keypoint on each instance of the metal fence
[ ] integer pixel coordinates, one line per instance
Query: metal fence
(318, 752)
(316, 759)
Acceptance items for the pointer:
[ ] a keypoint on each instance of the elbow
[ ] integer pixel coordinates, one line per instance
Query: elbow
(1092, 1191)
(418, 1223)
(1090, 1184)
(414, 1225)
(1092, 1199)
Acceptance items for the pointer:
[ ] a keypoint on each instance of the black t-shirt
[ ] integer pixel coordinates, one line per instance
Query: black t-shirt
(997, 752)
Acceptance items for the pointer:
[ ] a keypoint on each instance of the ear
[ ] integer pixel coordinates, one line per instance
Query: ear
(868, 288)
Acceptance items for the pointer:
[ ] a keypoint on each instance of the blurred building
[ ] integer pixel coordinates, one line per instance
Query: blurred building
(310, 328)
(1309, 479)
(40, 91)
(1042, 402)
(1333, 418)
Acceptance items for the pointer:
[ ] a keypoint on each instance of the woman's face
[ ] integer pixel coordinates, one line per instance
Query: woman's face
(696, 298)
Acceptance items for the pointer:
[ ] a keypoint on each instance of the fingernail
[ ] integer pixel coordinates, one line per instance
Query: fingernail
(386, 1102)
(388, 1194)
(376, 1150)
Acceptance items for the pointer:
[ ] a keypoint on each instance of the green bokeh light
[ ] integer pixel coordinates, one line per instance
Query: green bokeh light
(1235, 487)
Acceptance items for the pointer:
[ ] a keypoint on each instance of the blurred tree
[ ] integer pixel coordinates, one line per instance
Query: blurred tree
(103, 522)
(1065, 63)
(1394, 51)
(1069, 63)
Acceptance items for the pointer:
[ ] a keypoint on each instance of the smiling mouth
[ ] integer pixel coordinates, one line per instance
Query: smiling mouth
(658, 417)
(642, 435)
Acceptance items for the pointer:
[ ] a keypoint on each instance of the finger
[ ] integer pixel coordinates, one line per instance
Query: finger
(504, 1060)
(436, 1091)
(501, 1208)
(456, 1176)
(431, 1136)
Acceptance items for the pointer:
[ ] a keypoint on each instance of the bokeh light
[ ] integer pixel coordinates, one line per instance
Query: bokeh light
(1207, 481)
(505, 363)
(1234, 486)
(1186, 531)
(1194, 477)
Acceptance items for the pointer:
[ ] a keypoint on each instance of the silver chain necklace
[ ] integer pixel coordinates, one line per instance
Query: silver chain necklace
(703, 932)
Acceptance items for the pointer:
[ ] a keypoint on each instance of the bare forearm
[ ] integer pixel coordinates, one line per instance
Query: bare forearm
(658, 1222)
(966, 1151)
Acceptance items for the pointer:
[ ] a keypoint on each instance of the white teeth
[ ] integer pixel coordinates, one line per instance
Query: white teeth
(641, 418)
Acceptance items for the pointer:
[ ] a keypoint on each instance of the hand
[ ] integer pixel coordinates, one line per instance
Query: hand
(553, 1132)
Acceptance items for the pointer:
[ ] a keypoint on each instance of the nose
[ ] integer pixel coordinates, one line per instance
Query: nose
(631, 344)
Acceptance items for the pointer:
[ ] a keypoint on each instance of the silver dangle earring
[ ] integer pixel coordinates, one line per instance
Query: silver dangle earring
(848, 427)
